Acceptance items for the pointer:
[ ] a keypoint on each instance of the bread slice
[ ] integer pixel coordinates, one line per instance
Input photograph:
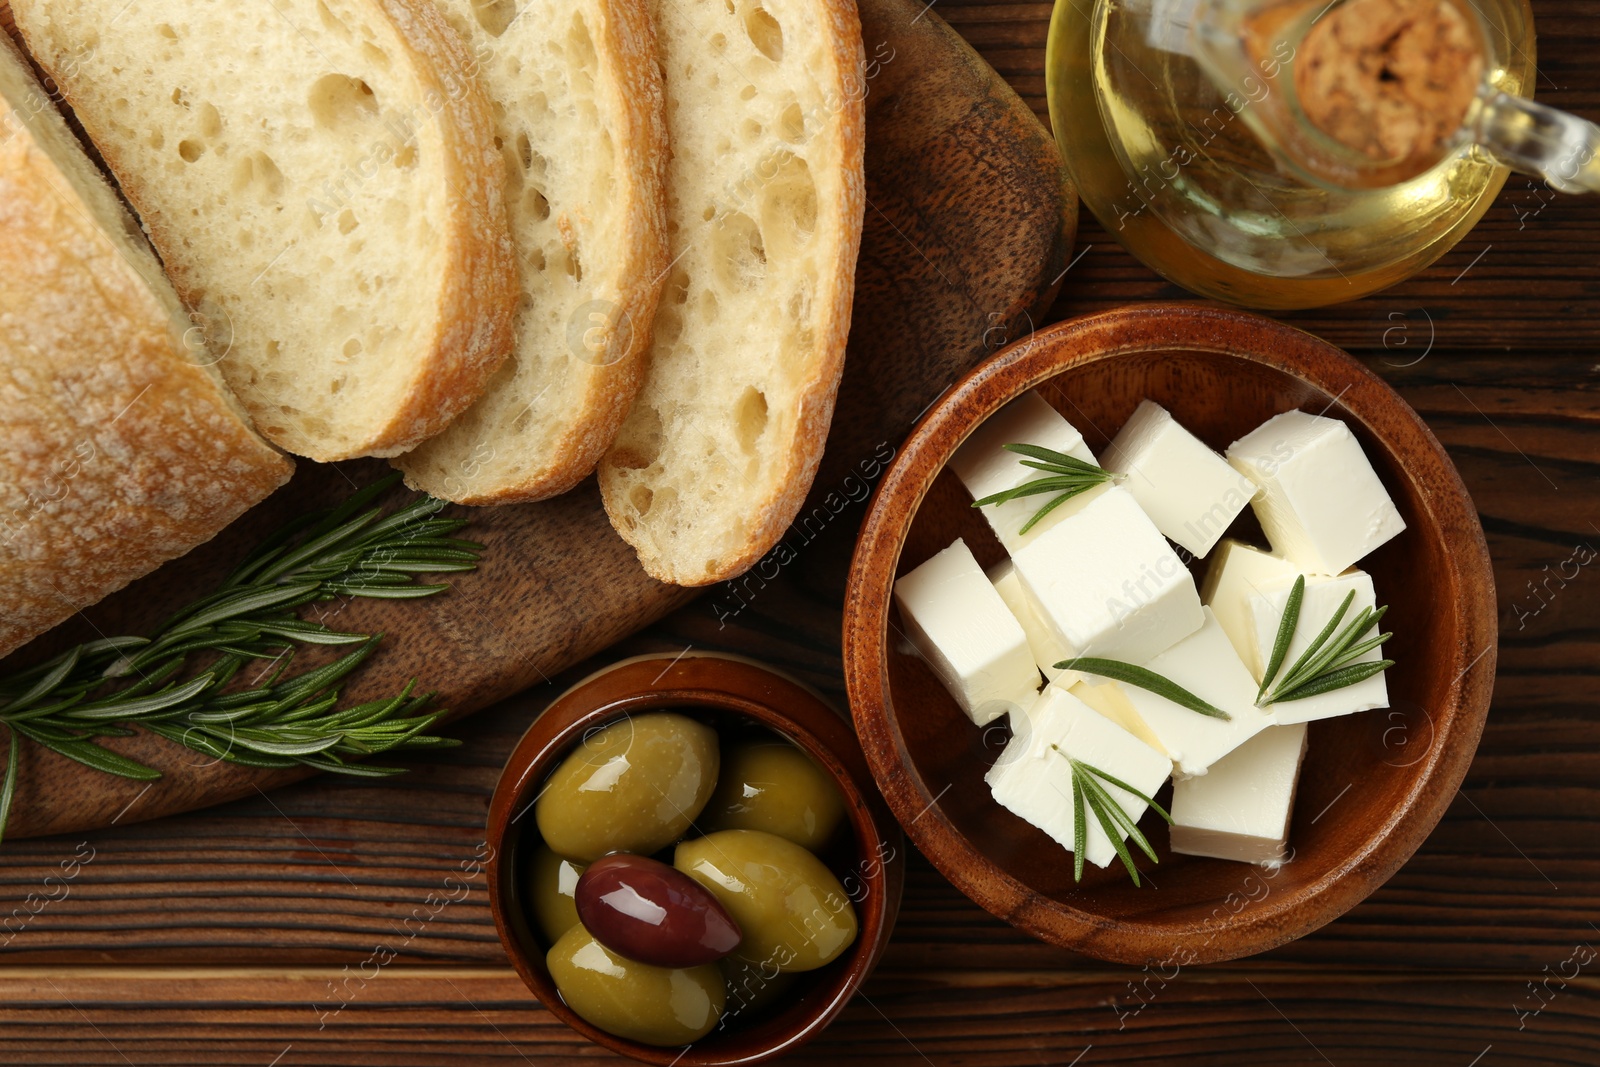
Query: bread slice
(581, 121)
(765, 195)
(120, 448)
(321, 180)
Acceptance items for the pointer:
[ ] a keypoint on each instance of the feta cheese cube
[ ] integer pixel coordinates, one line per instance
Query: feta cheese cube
(1236, 573)
(1241, 809)
(1033, 777)
(1110, 700)
(1108, 584)
(967, 635)
(1321, 503)
(1205, 664)
(1047, 651)
(985, 467)
(1189, 492)
(1322, 598)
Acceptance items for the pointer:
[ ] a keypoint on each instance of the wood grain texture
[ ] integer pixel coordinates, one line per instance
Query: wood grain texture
(407, 1017)
(323, 872)
(958, 165)
(1429, 970)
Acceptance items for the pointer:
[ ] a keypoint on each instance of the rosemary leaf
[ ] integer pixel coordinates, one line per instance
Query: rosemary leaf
(1098, 805)
(1080, 834)
(1070, 476)
(1069, 465)
(8, 789)
(1049, 506)
(1333, 647)
(1280, 644)
(354, 770)
(382, 592)
(90, 754)
(1338, 679)
(49, 682)
(1315, 649)
(113, 710)
(1060, 483)
(1144, 678)
(1090, 795)
(1120, 784)
(1330, 661)
(1052, 457)
(1350, 656)
(281, 743)
(1104, 801)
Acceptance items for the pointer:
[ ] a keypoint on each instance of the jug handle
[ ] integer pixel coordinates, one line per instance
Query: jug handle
(1532, 138)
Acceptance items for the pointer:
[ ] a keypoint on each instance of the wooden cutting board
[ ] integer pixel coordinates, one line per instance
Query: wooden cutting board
(969, 225)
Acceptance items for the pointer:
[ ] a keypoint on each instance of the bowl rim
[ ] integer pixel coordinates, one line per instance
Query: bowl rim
(728, 683)
(1039, 358)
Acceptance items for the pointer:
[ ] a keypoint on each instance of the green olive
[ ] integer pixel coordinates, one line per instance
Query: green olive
(753, 988)
(632, 786)
(550, 881)
(793, 911)
(773, 786)
(652, 1005)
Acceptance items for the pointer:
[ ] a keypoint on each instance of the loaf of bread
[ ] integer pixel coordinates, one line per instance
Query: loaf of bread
(581, 122)
(120, 448)
(765, 198)
(320, 179)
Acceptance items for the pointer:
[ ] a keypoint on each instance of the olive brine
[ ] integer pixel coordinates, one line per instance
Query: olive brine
(663, 952)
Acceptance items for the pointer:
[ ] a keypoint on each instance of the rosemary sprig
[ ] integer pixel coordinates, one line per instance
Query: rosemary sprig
(1144, 678)
(1068, 476)
(1330, 661)
(1089, 794)
(99, 688)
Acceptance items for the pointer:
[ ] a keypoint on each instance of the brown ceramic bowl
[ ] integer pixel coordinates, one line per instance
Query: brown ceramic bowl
(1373, 785)
(731, 694)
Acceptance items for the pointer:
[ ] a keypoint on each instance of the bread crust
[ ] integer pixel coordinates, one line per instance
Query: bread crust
(816, 403)
(625, 41)
(478, 301)
(786, 487)
(120, 448)
(471, 318)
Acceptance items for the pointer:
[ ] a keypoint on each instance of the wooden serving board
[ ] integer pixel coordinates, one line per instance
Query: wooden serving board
(969, 225)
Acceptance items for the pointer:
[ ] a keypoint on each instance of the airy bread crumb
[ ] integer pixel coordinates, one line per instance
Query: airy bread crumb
(766, 116)
(320, 180)
(581, 123)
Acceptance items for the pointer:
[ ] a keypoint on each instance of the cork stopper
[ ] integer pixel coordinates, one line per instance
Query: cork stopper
(1390, 79)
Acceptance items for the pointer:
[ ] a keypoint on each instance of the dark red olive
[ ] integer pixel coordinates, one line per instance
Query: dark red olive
(649, 912)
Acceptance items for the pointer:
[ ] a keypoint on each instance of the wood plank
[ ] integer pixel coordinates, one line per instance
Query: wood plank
(402, 1016)
(1431, 970)
(319, 872)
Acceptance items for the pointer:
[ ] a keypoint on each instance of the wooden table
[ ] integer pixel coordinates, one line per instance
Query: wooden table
(246, 934)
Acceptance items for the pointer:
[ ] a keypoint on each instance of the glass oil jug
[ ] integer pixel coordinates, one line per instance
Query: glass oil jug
(1199, 145)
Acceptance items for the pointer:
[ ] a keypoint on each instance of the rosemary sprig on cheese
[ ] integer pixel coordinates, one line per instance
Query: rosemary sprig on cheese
(1067, 477)
(1089, 795)
(85, 693)
(1144, 678)
(1331, 661)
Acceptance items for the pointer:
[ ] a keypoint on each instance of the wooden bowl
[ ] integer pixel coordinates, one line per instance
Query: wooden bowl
(1373, 784)
(726, 692)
